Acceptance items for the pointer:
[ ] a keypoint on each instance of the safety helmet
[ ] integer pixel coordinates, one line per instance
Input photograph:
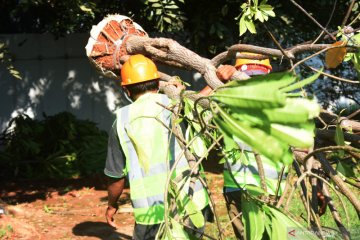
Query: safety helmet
(245, 64)
(138, 68)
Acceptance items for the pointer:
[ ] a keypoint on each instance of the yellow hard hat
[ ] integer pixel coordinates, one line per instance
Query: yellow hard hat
(244, 61)
(138, 68)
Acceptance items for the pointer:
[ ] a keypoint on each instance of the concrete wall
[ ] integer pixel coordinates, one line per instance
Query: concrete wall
(57, 76)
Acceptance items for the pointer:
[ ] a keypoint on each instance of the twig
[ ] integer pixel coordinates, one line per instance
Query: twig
(286, 189)
(353, 114)
(276, 42)
(331, 148)
(347, 14)
(260, 171)
(338, 181)
(313, 19)
(332, 76)
(279, 183)
(311, 56)
(335, 214)
(328, 22)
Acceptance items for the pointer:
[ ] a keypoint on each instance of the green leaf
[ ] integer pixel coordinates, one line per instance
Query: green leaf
(179, 120)
(242, 25)
(250, 26)
(260, 96)
(168, 20)
(85, 9)
(171, 7)
(259, 16)
(184, 202)
(254, 137)
(354, 40)
(296, 110)
(156, 5)
(302, 83)
(282, 224)
(295, 136)
(177, 230)
(268, 224)
(158, 12)
(345, 169)
(269, 13)
(339, 139)
(253, 219)
(266, 7)
(255, 190)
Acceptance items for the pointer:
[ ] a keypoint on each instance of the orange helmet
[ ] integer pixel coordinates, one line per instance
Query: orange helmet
(138, 68)
(245, 63)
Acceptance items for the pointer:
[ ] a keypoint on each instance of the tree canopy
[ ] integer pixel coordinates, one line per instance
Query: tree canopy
(206, 30)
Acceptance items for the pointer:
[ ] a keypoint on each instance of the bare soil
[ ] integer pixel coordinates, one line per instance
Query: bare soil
(67, 209)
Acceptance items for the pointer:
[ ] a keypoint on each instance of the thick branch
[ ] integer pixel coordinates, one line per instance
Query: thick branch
(329, 135)
(331, 119)
(165, 50)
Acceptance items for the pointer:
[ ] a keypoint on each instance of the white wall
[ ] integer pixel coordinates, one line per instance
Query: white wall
(57, 76)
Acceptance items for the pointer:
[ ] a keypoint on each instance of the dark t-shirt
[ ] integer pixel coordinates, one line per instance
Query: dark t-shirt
(115, 160)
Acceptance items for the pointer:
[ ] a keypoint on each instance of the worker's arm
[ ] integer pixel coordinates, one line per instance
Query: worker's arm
(114, 189)
(114, 170)
(224, 73)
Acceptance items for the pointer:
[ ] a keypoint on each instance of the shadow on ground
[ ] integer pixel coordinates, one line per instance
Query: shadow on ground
(30, 190)
(100, 230)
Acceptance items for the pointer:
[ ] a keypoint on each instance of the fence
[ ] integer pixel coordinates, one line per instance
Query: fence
(57, 76)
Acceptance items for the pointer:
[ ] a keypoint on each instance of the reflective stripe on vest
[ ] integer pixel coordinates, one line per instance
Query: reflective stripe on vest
(238, 174)
(150, 150)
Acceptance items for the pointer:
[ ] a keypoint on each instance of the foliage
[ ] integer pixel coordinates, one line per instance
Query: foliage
(262, 221)
(354, 57)
(252, 11)
(207, 29)
(57, 146)
(166, 14)
(6, 60)
(259, 110)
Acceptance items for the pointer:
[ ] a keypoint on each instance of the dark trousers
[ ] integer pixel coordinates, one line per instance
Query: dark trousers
(145, 232)
(148, 232)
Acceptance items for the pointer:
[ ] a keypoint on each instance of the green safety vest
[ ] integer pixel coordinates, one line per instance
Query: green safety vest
(244, 171)
(151, 150)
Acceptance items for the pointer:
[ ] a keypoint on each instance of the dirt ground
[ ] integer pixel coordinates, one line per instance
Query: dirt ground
(67, 209)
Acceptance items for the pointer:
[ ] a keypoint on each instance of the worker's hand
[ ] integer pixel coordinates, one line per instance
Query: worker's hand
(110, 212)
(224, 72)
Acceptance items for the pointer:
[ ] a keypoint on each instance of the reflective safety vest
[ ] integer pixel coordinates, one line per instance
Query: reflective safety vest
(151, 150)
(245, 171)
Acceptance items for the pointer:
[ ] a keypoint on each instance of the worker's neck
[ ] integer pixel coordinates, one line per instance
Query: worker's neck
(135, 97)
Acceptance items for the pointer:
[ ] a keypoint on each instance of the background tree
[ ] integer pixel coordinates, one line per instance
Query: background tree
(207, 31)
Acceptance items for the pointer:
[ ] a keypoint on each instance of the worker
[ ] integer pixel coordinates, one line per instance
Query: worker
(244, 170)
(147, 151)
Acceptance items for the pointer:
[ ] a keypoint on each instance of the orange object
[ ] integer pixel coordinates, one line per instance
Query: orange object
(245, 61)
(138, 68)
(335, 56)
